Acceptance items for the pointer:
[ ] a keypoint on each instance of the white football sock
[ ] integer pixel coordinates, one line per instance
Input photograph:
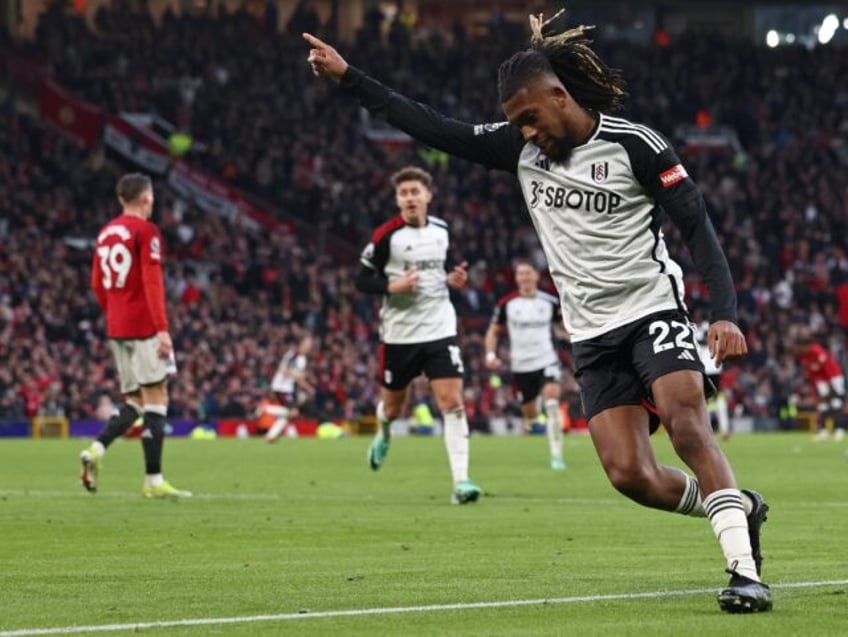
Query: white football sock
(456, 442)
(554, 427)
(690, 502)
(277, 428)
(384, 423)
(154, 480)
(97, 449)
(730, 525)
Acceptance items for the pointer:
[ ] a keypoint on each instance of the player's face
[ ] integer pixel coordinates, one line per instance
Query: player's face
(145, 200)
(412, 198)
(539, 111)
(526, 278)
(305, 345)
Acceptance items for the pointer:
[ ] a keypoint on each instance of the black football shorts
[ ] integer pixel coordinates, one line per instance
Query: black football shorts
(401, 362)
(528, 385)
(618, 367)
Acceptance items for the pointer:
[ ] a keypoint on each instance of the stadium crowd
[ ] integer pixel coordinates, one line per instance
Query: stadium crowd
(267, 127)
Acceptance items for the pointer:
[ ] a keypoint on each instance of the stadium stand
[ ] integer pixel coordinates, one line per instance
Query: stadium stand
(262, 126)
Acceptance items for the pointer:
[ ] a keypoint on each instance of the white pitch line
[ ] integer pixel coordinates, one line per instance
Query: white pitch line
(134, 494)
(251, 619)
(35, 493)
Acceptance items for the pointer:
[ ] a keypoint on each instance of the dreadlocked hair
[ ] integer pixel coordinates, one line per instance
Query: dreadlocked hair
(568, 56)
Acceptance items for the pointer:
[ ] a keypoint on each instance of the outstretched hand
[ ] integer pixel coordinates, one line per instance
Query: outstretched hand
(726, 341)
(324, 59)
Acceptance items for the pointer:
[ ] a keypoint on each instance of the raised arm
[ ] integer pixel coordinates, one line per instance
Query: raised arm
(494, 145)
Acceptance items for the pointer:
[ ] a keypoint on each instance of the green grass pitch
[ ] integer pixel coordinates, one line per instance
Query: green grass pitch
(304, 526)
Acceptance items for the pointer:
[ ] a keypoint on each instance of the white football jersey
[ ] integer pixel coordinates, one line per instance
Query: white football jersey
(423, 315)
(598, 226)
(291, 367)
(529, 321)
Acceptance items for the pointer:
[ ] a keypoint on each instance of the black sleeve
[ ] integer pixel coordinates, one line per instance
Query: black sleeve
(371, 277)
(370, 281)
(660, 171)
(496, 145)
(499, 315)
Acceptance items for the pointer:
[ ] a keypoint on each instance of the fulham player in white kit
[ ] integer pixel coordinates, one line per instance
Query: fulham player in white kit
(597, 188)
(529, 316)
(291, 387)
(405, 263)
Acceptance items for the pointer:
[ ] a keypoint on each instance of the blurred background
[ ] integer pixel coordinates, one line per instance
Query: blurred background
(269, 184)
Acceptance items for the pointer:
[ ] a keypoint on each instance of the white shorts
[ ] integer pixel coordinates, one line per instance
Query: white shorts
(836, 387)
(139, 364)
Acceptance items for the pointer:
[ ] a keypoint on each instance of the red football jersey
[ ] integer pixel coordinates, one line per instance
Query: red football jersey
(819, 364)
(126, 276)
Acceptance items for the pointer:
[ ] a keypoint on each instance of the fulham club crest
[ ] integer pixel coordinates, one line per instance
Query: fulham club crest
(600, 172)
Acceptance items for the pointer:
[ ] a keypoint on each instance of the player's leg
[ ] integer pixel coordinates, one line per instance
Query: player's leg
(529, 386)
(529, 410)
(281, 413)
(152, 372)
(822, 410)
(622, 442)
(389, 409)
(119, 422)
(122, 418)
(613, 378)
(399, 364)
(612, 397)
(444, 368)
(837, 406)
(551, 392)
(735, 516)
(663, 356)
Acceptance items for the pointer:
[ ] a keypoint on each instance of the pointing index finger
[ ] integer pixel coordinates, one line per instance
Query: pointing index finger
(314, 41)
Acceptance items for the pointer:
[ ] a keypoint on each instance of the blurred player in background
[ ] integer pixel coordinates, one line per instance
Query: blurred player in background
(126, 277)
(595, 187)
(528, 316)
(823, 370)
(716, 398)
(405, 262)
(291, 386)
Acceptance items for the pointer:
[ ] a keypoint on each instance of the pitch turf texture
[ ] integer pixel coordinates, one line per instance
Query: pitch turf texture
(279, 534)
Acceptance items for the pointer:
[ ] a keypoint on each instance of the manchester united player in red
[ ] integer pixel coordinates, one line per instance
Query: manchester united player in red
(823, 370)
(126, 277)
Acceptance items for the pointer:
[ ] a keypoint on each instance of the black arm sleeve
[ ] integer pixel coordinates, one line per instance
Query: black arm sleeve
(659, 170)
(370, 281)
(687, 210)
(495, 145)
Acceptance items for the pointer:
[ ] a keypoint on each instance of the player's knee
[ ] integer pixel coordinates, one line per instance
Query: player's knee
(551, 391)
(630, 479)
(627, 475)
(389, 410)
(449, 402)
